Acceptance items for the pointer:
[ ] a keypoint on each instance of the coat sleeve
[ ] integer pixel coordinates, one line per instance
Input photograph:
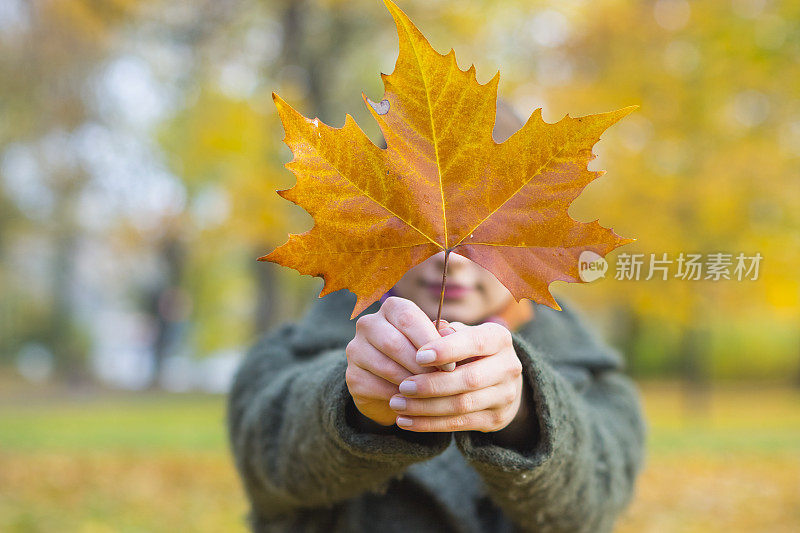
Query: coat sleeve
(293, 435)
(578, 473)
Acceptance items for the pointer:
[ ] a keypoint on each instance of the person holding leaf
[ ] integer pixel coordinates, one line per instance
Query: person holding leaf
(504, 416)
(342, 425)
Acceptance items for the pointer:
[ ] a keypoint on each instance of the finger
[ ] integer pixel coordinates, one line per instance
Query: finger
(410, 320)
(392, 343)
(481, 420)
(458, 326)
(399, 349)
(458, 404)
(476, 375)
(366, 356)
(365, 384)
(485, 339)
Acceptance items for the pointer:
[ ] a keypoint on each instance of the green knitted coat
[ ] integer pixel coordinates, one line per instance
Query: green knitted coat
(306, 466)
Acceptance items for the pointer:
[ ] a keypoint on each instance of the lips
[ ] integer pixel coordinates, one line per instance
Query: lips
(452, 291)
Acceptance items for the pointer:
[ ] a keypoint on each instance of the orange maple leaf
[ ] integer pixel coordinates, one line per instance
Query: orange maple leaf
(442, 183)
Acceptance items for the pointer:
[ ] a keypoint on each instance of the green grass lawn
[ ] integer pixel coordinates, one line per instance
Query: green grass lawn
(114, 422)
(157, 462)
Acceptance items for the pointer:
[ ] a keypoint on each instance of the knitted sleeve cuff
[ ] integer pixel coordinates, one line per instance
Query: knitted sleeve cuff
(384, 444)
(548, 408)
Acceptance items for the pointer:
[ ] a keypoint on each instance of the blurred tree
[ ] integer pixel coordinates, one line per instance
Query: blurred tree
(44, 62)
(701, 169)
(708, 164)
(231, 146)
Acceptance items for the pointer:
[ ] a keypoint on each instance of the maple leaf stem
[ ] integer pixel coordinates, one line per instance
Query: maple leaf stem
(444, 280)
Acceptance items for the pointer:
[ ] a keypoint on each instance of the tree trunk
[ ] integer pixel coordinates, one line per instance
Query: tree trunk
(695, 373)
(167, 304)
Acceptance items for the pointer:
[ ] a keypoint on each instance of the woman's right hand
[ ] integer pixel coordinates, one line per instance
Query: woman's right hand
(383, 353)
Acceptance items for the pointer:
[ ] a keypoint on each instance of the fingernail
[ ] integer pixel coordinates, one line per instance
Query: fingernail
(426, 356)
(397, 403)
(448, 367)
(446, 331)
(408, 387)
(403, 421)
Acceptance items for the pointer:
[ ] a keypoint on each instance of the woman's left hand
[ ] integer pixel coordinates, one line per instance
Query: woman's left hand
(483, 393)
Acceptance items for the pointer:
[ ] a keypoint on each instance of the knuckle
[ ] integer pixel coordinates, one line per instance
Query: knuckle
(380, 366)
(390, 371)
(404, 319)
(503, 332)
(493, 329)
(508, 396)
(364, 322)
(434, 387)
(515, 368)
(463, 403)
(472, 380)
(350, 378)
(351, 349)
(426, 386)
(421, 424)
(496, 418)
(479, 340)
(392, 304)
(392, 343)
(459, 422)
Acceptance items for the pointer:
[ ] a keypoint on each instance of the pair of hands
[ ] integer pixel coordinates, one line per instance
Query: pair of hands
(393, 375)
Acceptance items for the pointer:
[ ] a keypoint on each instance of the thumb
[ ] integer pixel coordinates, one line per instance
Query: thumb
(445, 329)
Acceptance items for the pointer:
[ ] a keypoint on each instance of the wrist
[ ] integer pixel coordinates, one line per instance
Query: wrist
(363, 424)
(521, 432)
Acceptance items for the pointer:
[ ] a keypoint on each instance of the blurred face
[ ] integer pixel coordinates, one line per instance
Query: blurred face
(472, 293)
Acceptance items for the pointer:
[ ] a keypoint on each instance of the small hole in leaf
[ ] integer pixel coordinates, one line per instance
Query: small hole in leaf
(381, 107)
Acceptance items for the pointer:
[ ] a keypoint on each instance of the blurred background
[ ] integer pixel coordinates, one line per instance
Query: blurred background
(140, 152)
